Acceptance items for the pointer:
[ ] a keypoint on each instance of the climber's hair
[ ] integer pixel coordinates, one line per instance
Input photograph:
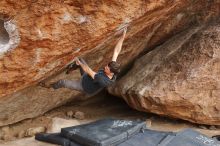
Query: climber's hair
(114, 67)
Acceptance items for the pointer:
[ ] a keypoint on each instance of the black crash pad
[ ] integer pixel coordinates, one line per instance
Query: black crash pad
(147, 138)
(103, 132)
(189, 137)
(55, 138)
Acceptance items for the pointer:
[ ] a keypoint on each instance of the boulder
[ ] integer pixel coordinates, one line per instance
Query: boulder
(58, 123)
(32, 131)
(180, 78)
(79, 115)
(40, 38)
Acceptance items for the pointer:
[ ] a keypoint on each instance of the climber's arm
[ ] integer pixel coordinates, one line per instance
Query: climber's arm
(118, 46)
(86, 68)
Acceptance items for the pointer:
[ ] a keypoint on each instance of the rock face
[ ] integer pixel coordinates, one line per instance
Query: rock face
(180, 79)
(45, 35)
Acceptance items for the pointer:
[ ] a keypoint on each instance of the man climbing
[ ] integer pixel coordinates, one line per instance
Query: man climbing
(92, 82)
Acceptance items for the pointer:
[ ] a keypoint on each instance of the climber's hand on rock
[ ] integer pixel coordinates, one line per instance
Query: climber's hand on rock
(124, 32)
(78, 62)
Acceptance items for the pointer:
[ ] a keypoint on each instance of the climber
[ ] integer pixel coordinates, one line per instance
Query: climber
(92, 82)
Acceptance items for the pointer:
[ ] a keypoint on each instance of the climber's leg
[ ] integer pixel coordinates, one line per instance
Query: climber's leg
(71, 84)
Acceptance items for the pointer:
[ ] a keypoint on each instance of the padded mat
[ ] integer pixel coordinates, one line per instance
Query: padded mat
(105, 132)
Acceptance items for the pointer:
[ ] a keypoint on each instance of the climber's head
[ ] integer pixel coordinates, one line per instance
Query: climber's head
(112, 67)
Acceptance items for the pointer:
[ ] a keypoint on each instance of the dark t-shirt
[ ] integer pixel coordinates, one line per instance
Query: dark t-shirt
(100, 81)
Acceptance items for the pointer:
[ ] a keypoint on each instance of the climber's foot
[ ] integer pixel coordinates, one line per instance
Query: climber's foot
(55, 85)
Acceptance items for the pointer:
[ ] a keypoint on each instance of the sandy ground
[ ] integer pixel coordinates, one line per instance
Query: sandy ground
(98, 107)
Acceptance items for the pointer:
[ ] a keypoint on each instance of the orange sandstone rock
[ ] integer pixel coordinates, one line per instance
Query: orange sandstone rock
(180, 78)
(45, 35)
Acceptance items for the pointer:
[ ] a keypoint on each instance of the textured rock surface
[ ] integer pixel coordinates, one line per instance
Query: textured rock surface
(58, 123)
(53, 32)
(180, 79)
(27, 142)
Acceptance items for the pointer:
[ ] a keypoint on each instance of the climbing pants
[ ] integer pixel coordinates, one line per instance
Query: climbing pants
(71, 84)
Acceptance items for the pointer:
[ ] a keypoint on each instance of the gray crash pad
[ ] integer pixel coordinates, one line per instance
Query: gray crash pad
(147, 138)
(189, 137)
(103, 132)
(55, 138)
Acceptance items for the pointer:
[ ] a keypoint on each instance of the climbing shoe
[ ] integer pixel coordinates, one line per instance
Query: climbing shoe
(72, 66)
(55, 85)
